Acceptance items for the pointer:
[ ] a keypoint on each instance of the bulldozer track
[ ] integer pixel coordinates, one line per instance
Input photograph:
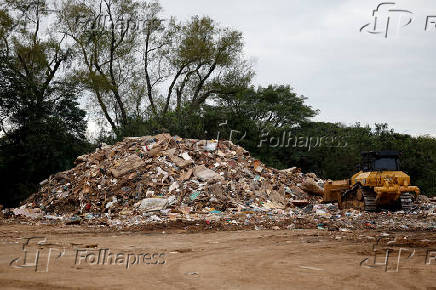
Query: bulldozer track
(367, 200)
(370, 200)
(406, 201)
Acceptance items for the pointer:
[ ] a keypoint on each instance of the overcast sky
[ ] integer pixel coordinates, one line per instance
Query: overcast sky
(316, 46)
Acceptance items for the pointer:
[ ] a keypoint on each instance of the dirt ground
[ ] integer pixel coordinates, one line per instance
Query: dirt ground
(286, 259)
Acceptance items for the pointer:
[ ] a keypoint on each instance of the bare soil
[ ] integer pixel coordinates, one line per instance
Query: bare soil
(243, 259)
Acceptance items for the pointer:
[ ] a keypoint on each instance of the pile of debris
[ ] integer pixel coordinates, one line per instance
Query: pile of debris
(165, 180)
(163, 176)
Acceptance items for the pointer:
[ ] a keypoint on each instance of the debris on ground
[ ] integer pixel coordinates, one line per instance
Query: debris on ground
(164, 179)
(311, 186)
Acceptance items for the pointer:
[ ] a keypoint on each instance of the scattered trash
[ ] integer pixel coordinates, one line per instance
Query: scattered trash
(210, 146)
(32, 213)
(300, 203)
(311, 186)
(75, 220)
(291, 227)
(130, 163)
(153, 204)
(194, 195)
(205, 174)
(162, 179)
(111, 203)
(321, 226)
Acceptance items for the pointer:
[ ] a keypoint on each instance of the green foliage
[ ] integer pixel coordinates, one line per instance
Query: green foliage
(42, 127)
(273, 106)
(41, 137)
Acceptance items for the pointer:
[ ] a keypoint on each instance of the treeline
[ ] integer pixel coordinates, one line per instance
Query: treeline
(291, 139)
(137, 73)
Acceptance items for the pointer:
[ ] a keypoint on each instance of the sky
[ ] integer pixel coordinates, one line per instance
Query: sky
(318, 48)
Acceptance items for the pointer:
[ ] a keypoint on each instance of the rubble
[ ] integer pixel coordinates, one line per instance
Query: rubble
(205, 174)
(164, 179)
(311, 186)
(155, 204)
(148, 171)
(32, 213)
(127, 165)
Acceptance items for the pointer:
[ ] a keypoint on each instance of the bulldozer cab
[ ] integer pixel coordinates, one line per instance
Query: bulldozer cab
(380, 161)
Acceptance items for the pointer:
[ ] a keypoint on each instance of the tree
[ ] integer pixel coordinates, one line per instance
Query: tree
(41, 124)
(274, 106)
(139, 66)
(209, 62)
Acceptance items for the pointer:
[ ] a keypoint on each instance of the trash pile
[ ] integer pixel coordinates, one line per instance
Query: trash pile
(158, 177)
(164, 179)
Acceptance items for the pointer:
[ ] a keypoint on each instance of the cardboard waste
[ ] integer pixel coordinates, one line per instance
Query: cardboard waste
(164, 178)
(155, 173)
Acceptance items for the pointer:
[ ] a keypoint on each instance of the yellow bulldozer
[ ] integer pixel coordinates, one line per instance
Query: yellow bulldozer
(378, 184)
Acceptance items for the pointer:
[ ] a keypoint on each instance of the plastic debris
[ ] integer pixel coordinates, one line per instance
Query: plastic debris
(153, 204)
(163, 179)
